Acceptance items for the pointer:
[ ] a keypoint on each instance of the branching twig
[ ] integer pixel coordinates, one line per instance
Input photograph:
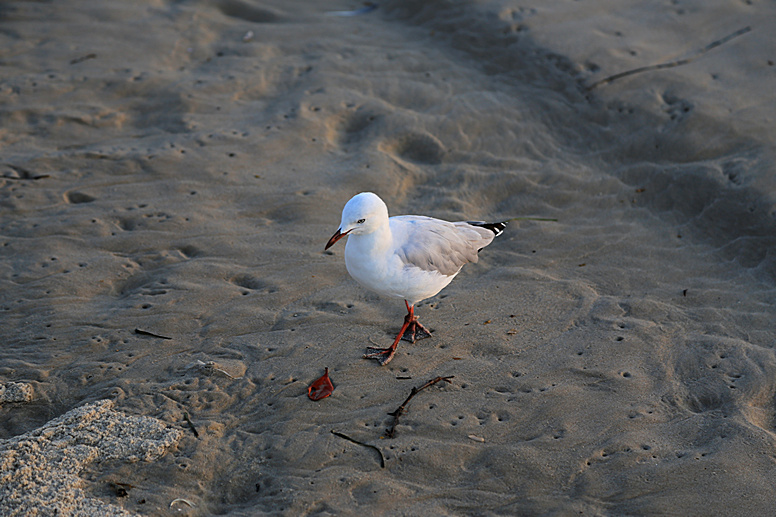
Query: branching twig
(348, 438)
(401, 409)
(671, 64)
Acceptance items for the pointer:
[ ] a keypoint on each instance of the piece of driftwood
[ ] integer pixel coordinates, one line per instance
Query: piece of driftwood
(401, 409)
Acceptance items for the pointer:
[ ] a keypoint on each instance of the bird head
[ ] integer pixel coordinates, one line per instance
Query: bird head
(363, 214)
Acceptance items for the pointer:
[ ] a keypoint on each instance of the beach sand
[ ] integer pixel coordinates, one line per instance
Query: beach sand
(172, 170)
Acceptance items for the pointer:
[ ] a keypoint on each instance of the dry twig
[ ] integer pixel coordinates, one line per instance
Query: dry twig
(401, 409)
(671, 64)
(191, 424)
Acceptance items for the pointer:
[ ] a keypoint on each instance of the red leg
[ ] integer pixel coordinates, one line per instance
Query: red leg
(410, 331)
(384, 355)
(414, 330)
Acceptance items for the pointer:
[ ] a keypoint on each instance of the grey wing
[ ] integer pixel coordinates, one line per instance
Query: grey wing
(435, 245)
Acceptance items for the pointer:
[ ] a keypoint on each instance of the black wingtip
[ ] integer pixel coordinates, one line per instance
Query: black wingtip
(497, 228)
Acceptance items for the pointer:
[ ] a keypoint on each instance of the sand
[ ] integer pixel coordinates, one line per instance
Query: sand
(40, 469)
(172, 170)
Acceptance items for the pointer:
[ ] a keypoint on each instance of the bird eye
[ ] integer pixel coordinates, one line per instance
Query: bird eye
(360, 221)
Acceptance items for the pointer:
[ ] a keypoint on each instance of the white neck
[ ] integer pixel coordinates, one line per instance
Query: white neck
(373, 243)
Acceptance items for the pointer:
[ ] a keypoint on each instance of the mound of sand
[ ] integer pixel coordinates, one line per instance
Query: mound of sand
(39, 470)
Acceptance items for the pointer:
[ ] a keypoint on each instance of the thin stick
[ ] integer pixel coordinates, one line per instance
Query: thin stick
(671, 64)
(401, 409)
(191, 424)
(82, 59)
(151, 334)
(38, 177)
(348, 438)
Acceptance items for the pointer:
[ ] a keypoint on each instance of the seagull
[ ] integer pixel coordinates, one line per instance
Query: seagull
(409, 256)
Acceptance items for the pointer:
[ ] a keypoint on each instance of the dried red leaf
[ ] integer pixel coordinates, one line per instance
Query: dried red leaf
(320, 388)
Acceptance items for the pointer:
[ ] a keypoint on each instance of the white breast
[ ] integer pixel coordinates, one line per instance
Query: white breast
(383, 270)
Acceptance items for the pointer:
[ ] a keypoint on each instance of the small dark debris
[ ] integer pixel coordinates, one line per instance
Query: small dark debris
(348, 438)
(121, 489)
(150, 334)
(83, 58)
(191, 424)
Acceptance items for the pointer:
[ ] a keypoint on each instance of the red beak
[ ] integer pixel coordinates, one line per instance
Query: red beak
(334, 238)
